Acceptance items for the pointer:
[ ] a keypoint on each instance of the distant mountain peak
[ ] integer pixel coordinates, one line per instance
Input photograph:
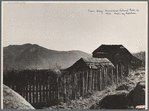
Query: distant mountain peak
(33, 56)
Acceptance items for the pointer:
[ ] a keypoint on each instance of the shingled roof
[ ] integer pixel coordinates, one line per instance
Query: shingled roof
(98, 61)
(92, 63)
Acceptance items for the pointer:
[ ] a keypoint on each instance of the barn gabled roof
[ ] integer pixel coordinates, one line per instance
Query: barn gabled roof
(109, 49)
(92, 63)
(114, 49)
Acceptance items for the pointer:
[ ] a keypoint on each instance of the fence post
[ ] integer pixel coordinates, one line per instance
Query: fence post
(95, 77)
(93, 80)
(121, 72)
(112, 76)
(64, 89)
(67, 95)
(101, 78)
(73, 86)
(50, 84)
(106, 78)
(47, 99)
(75, 82)
(89, 80)
(83, 85)
(91, 74)
(86, 81)
(33, 90)
(27, 91)
(117, 74)
(36, 90)
(43, 91)
(57, 90)
(96, 80)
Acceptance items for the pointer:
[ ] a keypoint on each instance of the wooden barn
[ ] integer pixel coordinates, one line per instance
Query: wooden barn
(118, 55)
(90, 63)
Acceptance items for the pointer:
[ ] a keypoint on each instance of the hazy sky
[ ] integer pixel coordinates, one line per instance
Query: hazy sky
(75, 26)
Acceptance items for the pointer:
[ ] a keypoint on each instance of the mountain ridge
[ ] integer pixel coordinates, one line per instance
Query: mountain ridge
(33, 56)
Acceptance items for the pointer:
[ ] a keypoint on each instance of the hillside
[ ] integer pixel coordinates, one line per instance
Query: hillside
(33, 56)
(140, 55)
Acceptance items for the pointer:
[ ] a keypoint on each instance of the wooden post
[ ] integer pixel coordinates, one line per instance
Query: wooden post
(80, 84)
(64, 88)
(106, 78)
(47, 99)
(117, 73)
(95, 77)
(50, 87)
(78, 78)
(71, 79)
(86, 81)
(22, 91)
(100, 79)
(57, 90)
(91, 74)
(83, 85)
(27, 94)
(92, 80)
(103, 86)
(121, 72)
(112, 77)
(96, 80)
(33, 92)
(36, 90)
(43, 95)
(73, 86)
(25, 91)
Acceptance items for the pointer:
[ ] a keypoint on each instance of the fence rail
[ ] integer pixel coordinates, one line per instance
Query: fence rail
(44, 88)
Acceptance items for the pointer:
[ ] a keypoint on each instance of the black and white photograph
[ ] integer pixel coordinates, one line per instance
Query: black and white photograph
(74, 55)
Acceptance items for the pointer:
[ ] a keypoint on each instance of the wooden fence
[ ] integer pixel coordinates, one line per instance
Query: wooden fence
(45, 88)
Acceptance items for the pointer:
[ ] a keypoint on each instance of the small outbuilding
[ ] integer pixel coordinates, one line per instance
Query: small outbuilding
(90, 63)
(97, 73)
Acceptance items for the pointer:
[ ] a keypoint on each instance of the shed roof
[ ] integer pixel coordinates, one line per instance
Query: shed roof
(92, 63)
(97, 62)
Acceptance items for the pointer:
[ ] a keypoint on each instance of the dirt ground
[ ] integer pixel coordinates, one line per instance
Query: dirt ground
(133, 78)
